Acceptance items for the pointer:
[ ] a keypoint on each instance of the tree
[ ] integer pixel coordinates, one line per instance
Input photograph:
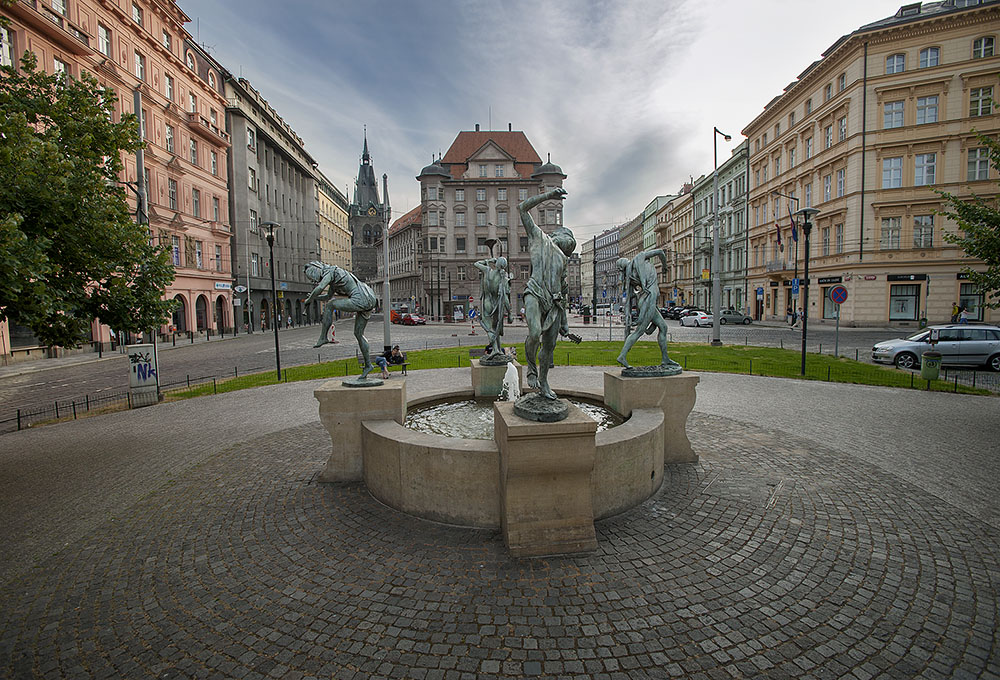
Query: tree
(70, 251)
(978, 218)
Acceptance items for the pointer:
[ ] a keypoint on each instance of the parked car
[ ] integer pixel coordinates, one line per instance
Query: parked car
(697, 318)
(665, 312)
(732, 316)
(413, 320)
(678, 312)
(959, 345)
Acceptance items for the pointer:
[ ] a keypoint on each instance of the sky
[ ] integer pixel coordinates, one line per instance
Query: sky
(624, 94)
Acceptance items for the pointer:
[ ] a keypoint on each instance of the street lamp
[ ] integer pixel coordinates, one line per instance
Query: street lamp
(274, 293)
(807, 215)
(716, 279)
(795, 295)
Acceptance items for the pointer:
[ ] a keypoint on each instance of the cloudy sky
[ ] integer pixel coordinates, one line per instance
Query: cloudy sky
(623, 93)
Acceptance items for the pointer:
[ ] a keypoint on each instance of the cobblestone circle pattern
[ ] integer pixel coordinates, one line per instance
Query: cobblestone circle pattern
(771, 558)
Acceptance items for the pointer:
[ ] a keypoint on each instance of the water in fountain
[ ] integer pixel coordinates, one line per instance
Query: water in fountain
(511, 387)
(471, 419)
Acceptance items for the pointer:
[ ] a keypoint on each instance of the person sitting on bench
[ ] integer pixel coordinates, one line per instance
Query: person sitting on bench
(393, 356)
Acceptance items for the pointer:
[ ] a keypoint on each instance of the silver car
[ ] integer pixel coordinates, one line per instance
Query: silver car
(959, 345)
(733, 316)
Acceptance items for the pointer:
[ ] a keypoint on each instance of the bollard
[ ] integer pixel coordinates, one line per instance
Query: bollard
(215, 388)
(821, 348)
(236, 371)
(189, 381)
(782, 343)
(856, 355)
(57, 409)
(18, 420)
(828, 374)
(956, 383)
(750, 372)
(74, 410)
(88, 402)
(128, 396)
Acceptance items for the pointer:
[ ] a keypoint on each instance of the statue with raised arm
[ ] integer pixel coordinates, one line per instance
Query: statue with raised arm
(546, 294)
(355, 296)
(639, 278)
(495, 294)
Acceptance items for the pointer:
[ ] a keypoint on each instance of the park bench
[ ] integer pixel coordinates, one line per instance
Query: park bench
(402, 367)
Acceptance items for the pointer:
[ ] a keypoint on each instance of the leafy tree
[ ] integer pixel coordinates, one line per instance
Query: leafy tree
(979, 220)
(70, 251)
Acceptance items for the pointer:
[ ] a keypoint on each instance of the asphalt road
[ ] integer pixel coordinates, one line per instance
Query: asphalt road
(40, 384)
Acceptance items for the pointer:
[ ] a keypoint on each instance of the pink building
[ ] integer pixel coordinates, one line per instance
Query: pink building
(142, 45)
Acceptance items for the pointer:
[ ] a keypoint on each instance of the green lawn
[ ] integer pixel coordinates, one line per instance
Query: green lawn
(764, 361)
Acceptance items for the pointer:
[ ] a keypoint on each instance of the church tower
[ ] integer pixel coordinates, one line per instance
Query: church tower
(366, 219)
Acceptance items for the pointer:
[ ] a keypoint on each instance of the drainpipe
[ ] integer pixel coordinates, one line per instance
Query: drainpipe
(864, 164)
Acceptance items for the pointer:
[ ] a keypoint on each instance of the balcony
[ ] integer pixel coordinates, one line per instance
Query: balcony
(205, 128)
(778, 266)
(42, 18)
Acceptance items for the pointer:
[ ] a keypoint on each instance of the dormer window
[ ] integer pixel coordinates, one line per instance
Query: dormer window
(189, 60)
(211, 80)
(137, 14)
(909, 10)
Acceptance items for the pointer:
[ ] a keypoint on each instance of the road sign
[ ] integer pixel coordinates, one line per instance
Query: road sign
(240, 289)
(795, 286)
(838, 294)
(604, 293)
(760, 293)
(470, 298)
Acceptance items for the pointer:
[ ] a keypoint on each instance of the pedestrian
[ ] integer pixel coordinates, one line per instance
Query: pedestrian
(789, 317)
(797, 324)
(963, 315)
(955, 311)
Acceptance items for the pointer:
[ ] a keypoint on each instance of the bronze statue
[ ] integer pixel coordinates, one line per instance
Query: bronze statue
(357, 297)
(495, 294)
(546, 294)
(639, 278)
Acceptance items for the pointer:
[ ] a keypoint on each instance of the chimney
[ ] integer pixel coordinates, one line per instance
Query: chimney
(477, 127)
(510, 127)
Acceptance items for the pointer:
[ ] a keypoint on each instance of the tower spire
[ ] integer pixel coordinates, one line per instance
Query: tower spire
(365, 158)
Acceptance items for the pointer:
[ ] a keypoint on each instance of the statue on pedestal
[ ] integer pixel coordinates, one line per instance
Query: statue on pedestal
(495, 294)
(357, 298)
(639, 277)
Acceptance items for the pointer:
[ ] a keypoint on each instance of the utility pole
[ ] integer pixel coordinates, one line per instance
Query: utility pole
(386, 296)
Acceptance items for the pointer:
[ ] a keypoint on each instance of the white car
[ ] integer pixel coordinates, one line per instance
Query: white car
(697, 319)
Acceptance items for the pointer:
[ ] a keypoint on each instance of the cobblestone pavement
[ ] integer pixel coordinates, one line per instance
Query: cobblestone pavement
(788, 551)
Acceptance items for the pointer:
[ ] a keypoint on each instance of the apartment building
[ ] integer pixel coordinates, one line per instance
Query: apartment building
(674, 234)
(867, 135)
(587, 270)
(142, 46)
(606, 268)
(406, 289)
(332, 215)
(469, 199)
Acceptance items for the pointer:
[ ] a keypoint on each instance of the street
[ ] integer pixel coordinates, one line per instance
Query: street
(39, 384)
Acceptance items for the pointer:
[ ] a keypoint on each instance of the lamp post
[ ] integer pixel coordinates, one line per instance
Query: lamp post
(807, 215)
(274, 293)
(716, 278)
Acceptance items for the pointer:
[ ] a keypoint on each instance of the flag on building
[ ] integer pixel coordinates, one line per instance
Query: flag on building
(795, 232)
(777, 230)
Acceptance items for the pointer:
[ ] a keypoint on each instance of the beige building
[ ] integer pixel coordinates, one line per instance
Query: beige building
(866, 135)
(142, 45)
(332, 212)
(675, 235)
(471, 196)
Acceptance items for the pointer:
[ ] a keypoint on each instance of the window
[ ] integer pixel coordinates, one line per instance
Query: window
(59, 6)
(189, 60)
(791, 158)
(522, 194)
(924, 168)
(777, 165)
(480, 219)
(431, 193)
(972, 299)
(175, 250)
(929, 56)
(140, 66)
(168, 87)
(104, 40)
(842, 82)
(979, 166)
(890, 233)
(827, 187)
(927, 110)
(523, 244)
(61, 67)
(460, 242)
(809, 148)
(764, 172)
(892, 173)
(252, 181)
(213, 116)
(791, 120)
(192, 102)
(842, 129)
(481, 246)
(211, 79)
(502, 218)
(498, 170)
(166, 40)
(809, 106)
(432, 218)
(215, 208)
(170, 138)
(923, 231)
(193, 152)
(826, 240)
(480, 194)
(827, 92)
(254, 264)
(172, 193)
(215, 163)
(460, 219)
(892, 115)
(501, 194)
(142, 123)
(903, 301)
(808, 195)
(218, 258)
(251, 138)
(525, 271)
(137, 14)
(895, 63)
(840, 182)
(482, 169)
(828, 137)
(777, 130)
(982, 47)
(459, 195)
(765, 139)
(461, 272)
(839, 237)
(253, 221)
(980, 103)
(196, 203)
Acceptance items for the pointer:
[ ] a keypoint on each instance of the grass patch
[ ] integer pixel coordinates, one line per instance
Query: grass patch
(748, 360)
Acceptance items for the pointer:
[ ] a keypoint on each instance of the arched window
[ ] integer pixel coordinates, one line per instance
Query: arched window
(211, 79)
(929, 56)
(189, 60)
(895, 63)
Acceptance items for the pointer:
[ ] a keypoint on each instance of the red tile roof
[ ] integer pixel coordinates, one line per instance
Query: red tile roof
(412, 217)
(514, 143)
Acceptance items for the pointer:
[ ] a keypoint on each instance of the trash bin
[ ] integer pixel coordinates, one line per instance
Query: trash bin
(930, 365)
(923, 323)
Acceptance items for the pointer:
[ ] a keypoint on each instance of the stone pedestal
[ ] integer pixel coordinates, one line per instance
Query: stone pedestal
(341, 411)
(487, 381)
(674, 394)
(545, 493)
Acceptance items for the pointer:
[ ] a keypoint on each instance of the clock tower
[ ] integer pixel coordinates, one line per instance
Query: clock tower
(366, 219)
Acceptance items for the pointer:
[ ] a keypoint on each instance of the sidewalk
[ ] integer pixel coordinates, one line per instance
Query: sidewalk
(813, 539)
